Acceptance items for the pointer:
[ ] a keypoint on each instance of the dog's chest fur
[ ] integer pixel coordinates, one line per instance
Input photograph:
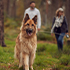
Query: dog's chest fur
(28, 45)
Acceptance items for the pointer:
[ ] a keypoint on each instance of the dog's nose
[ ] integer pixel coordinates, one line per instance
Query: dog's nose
(30, 30)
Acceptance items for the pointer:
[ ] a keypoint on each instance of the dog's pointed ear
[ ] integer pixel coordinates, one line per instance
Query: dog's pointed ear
(35, 19)
(26, 18)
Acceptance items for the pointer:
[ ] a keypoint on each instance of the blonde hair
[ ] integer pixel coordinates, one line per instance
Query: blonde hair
(57, 12)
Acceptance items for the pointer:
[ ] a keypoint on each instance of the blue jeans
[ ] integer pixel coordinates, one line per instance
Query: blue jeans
(59, 39)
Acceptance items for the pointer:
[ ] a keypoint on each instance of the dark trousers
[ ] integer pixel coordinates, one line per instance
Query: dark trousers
(59, 39)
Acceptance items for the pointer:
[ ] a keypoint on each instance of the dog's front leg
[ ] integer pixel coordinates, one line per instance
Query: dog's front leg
(20, 60)
(26, 61)
(32, 57)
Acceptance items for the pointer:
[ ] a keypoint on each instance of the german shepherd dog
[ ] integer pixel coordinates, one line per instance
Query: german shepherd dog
(26, 43)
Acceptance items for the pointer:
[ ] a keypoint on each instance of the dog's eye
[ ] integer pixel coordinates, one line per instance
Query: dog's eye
(32, 24)
(27, 24)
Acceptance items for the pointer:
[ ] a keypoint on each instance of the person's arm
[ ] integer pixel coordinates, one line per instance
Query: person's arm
(53, 26)
(53, 21)
(66, 24)
(38, 20)
(24, 14)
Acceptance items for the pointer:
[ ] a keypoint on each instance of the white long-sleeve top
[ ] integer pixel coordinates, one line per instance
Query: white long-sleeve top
(32, 13)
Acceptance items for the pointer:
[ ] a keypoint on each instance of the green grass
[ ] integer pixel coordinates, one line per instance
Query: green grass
(47, 57)
(45, 36)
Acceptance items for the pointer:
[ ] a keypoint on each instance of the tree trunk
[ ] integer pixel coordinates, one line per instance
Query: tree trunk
(60, 3)
(68, 13)
(55, 4)
(51, 10)
(10, 8)
(2, 24)
(43, 12)
(47, 6)
(13, 9)
(6, 6)
(26, 4)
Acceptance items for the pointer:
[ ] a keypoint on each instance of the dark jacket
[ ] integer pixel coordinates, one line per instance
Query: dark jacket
(63, 28)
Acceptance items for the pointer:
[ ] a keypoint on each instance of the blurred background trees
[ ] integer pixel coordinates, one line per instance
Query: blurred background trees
(16, 8)
(10, 8)
(2, 24)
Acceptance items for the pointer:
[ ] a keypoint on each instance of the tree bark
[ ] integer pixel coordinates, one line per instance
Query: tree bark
(55, 4)
(68, 13)
(6, 6)
(10, 8)
(43, 11)
(26, 4)
(47, 6)
(51, 10)
(13, 9)
(2, 24)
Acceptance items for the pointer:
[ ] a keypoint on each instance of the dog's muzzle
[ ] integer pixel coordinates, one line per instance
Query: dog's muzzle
(29, 31)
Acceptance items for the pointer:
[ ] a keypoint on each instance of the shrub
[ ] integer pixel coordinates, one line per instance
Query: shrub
(48, 29)
(44, 36)
(11, 23)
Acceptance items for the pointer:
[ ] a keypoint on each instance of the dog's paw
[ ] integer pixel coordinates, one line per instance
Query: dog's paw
(20, 65)
(31, 67)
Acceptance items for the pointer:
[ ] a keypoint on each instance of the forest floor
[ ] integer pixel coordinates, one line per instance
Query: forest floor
(47, 57)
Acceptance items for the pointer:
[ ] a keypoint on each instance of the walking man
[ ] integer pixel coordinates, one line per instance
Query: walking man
(32, 11)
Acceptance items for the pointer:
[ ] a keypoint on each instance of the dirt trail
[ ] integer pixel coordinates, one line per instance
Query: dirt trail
(49, 42)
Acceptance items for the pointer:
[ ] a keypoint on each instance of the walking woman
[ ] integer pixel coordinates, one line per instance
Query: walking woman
(59, 27)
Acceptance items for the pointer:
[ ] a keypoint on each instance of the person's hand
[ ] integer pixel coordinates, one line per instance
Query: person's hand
(38, 29)
(51, 34)
(66, 33)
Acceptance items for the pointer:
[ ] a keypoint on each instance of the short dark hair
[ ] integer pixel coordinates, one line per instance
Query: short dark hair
(32, 2)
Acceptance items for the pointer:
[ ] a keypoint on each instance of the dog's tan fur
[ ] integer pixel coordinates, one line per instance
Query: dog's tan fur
(25, 48)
